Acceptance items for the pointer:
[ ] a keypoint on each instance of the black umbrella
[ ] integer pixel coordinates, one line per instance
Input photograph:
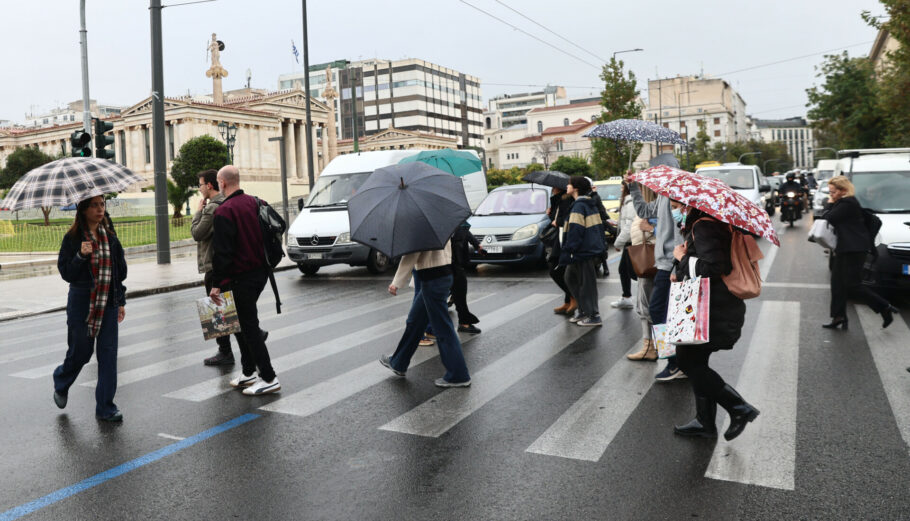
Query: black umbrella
(550, 178)
(408, 207)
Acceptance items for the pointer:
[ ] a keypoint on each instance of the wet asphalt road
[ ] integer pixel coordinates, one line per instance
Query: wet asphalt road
(344, 440)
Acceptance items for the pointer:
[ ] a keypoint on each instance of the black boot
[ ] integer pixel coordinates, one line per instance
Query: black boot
(703, 425)
(888, 315)
(740, 412)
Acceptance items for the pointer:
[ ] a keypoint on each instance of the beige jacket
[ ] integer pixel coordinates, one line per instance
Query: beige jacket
(202, 229)
(638, 236)
(421, 260)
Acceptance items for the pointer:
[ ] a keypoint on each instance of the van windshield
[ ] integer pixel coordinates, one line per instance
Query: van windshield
(335, 190)
(735, 178)
(610, 192)
(883, 192)
(514, 201)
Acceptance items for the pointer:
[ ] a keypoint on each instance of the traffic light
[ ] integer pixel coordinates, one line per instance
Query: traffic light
(102, 142)
(79, 143)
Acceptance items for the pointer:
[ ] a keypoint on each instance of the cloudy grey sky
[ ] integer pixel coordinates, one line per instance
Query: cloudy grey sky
(40, 42)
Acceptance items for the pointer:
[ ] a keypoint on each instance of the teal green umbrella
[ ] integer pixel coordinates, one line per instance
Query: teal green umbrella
(455, 162)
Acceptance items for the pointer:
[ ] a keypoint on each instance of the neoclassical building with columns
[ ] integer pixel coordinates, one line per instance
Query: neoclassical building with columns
(257, 114)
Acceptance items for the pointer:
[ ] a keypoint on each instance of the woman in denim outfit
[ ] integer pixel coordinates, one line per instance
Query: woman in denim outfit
(91, 259)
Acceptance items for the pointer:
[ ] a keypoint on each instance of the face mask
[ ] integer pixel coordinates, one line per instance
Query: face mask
(678, 216)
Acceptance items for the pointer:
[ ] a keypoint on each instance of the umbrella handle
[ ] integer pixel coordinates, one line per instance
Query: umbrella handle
(402, 183)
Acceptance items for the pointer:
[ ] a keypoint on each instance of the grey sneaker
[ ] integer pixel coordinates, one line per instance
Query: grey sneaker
(442, 382)
(576, 317)
(386, 360)
(590, 321)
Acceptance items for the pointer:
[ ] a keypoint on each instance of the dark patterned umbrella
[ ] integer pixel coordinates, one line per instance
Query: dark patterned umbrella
(67, 181)
(635, 130)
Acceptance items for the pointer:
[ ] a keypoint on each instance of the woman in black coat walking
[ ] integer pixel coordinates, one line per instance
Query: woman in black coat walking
(560, 206)
(853, 242)
(706, 253)
(91, 259)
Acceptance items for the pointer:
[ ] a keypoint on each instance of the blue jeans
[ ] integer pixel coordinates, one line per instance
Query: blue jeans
(81, 347)
(429, 330)
(660, 300)
(429, 307)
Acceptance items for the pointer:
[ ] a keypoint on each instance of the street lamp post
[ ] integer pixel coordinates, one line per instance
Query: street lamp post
(627, 50)
(740, 160)
(816, 149)
(229, 135)
(765, 164)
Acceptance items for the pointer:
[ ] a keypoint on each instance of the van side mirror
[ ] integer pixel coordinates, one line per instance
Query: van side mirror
(300, 205)
(764, 188)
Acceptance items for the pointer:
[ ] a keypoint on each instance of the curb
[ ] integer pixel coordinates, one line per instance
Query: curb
(138, 293)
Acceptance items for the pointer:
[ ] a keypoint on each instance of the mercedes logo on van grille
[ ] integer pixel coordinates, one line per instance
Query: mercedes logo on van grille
(314, 240)
(489, 238)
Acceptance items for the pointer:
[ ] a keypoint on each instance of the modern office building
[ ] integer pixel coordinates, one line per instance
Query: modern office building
(795, 133)
(510, 110)
(685, 102)
(409, 94)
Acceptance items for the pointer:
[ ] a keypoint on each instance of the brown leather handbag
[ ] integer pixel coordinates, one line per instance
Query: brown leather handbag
(642, 257)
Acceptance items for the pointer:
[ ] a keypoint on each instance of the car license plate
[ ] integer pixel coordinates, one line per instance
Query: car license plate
(905, 269)
(313, 256)
(493, 249)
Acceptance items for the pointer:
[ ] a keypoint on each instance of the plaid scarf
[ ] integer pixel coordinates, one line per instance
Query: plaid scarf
(102, 272)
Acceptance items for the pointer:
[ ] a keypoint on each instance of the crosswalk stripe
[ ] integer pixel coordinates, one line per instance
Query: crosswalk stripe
(889, 351)
(437, 415)
(765, 453)
(329, 392)
(585, 430)
(186, 336)
(214, 386)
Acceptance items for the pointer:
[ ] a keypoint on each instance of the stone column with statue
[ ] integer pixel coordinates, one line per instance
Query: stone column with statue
(216, 71)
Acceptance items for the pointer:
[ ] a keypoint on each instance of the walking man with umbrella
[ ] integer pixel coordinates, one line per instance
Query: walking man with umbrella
(411, 210)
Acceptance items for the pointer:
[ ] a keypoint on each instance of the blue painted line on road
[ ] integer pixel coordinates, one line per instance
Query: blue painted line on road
(97, 479)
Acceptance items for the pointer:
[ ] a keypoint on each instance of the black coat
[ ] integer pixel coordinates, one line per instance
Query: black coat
(461, 254)
(77, 270)
(846, 216)
(709, 241)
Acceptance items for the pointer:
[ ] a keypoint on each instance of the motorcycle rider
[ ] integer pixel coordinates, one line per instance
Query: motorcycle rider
(791, 185)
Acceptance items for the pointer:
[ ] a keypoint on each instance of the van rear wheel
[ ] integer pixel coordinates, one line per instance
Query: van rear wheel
(378, 262)
(308, 270)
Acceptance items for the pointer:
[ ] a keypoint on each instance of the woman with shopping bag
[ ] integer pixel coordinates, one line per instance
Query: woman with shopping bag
(706, 254)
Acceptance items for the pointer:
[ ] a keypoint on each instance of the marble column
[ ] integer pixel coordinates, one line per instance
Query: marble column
(290, 144)
(300, 138)
(325, 151)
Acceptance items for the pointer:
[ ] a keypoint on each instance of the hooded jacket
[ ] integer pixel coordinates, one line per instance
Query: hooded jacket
(584, 232)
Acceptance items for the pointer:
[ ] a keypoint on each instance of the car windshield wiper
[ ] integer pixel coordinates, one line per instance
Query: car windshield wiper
(502, 213)
(325, 205)
(890, 210)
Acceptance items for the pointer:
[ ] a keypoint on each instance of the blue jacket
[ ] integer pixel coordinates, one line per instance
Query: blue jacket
(584, 233)
(77, 270)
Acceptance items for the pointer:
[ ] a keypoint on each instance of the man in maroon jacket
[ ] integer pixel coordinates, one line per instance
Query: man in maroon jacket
(238, 265)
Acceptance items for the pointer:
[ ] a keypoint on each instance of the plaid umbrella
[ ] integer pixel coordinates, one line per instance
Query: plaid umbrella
(67, 181)
(635, 130)
(711, 196)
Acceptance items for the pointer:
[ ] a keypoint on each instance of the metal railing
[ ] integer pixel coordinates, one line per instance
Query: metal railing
(21, 237)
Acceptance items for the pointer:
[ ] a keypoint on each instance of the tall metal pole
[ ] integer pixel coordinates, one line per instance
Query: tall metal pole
(83, 45)
(284, 180)
(162, 233)
(309, 120)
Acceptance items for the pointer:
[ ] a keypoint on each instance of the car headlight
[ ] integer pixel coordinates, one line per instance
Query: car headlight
(344, 238)
(525, 232)
(292, 240)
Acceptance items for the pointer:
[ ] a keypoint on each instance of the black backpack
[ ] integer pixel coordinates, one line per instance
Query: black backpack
(873, 225)
(273, 228)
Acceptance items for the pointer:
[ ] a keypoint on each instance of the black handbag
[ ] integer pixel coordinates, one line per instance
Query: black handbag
(548, 234)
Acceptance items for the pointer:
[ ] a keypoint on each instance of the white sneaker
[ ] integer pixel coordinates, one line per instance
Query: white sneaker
(622, 303)
(263, 387)
(244, 381)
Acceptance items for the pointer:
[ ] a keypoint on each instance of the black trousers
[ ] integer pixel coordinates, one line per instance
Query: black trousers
(253, 352)
(625, 273)
(224, 342)
(846, 280)
(693, 360)
(558, 274)
(581, 278)
(460, 295)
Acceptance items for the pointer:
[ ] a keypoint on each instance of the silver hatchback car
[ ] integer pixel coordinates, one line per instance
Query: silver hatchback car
(508, 223)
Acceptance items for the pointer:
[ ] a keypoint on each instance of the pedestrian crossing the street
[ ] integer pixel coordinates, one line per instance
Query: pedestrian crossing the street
(527, 338)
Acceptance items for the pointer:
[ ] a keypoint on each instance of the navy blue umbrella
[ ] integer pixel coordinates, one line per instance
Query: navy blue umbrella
(635, 130)
(407, 207)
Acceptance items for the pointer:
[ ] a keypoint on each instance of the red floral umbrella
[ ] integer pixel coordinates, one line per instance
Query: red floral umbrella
(711, 196)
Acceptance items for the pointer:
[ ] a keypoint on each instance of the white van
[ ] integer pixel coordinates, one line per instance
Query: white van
(320, 234)
(882, 181)
(745, 179)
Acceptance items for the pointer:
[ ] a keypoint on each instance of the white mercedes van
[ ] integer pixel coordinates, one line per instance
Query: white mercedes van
(882, 181)
(320, 234)
(745, 179)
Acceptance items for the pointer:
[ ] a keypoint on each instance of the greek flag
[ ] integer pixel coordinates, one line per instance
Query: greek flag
(294, 50)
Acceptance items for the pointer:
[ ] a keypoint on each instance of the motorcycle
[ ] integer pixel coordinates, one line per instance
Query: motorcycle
(790, 207)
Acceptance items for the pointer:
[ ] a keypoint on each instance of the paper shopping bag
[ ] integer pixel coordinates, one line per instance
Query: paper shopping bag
(688, 313)
(659, 337)
(218, 320)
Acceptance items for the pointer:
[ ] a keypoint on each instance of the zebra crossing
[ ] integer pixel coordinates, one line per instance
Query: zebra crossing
(765, 455)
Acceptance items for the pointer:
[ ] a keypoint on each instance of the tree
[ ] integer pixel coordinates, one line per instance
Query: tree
(20, 162)
(620, 101)
(894, 77)
(545, 147)
(845, 108)
(197, 154)
(177, 195)
(573, 165)
(497, 177)
(700, 150)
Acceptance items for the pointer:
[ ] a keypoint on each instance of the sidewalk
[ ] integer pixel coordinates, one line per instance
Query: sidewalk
(43, 294)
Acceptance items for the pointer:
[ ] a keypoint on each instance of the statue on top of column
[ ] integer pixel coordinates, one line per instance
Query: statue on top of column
(329, 93)
(214, 50)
